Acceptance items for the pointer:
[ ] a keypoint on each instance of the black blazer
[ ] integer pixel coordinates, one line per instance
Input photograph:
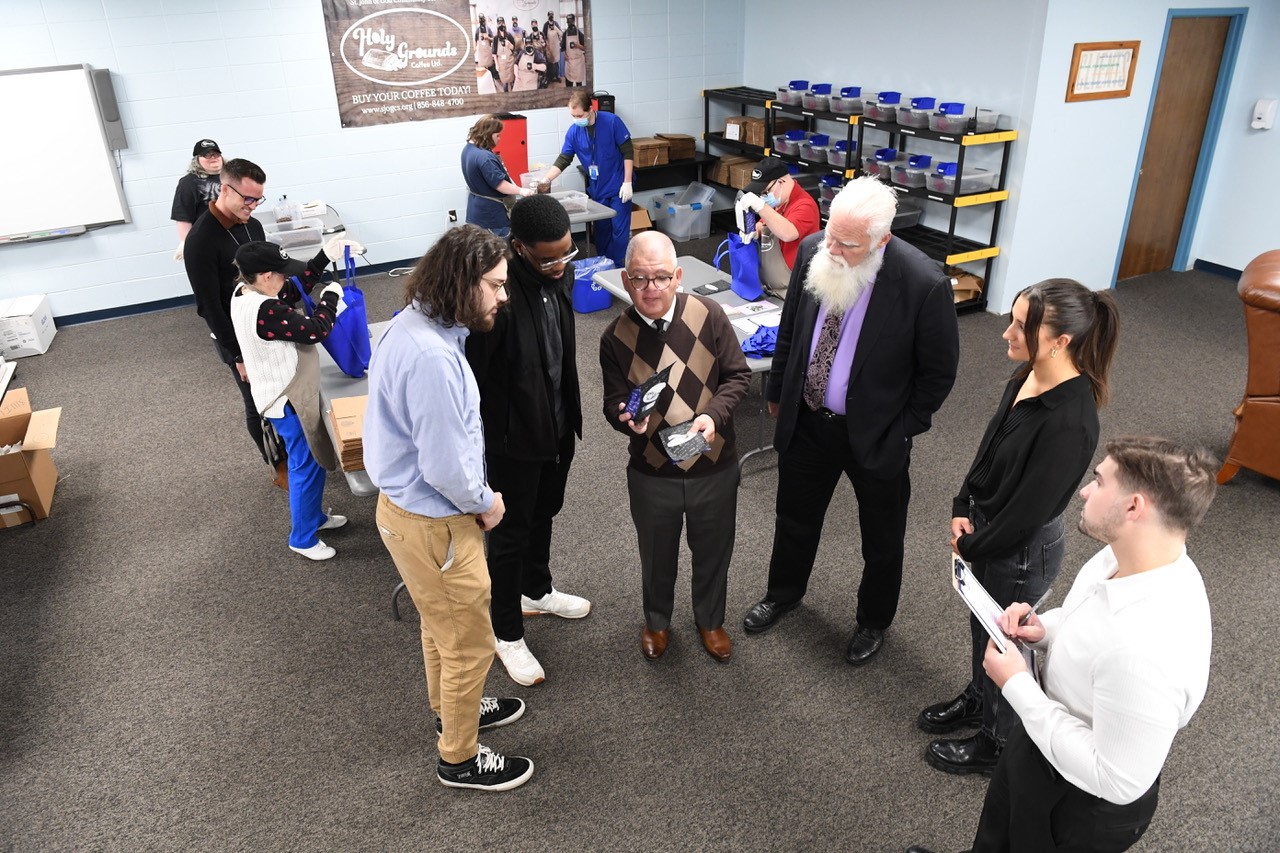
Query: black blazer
(509, 363)
(904, 366)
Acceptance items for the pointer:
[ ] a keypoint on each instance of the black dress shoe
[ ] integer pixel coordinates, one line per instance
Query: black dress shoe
(945, 717)
(764, 614)
(977, 754)
(916, 848)
(863, 645)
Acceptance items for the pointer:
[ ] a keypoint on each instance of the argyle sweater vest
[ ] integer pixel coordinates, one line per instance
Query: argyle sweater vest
(699, 345)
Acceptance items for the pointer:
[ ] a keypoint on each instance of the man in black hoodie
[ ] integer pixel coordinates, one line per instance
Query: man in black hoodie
(532, 411)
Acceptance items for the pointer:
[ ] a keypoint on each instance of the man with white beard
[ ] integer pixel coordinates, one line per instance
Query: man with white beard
(867, 352)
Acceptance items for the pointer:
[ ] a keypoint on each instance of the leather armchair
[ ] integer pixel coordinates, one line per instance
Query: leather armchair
(1256, 442)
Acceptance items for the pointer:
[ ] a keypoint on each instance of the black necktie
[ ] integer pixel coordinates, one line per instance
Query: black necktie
(661, 327)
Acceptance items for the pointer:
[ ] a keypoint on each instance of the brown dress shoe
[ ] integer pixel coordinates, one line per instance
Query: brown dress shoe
(653, 643)
(282, 476)
(717, 643)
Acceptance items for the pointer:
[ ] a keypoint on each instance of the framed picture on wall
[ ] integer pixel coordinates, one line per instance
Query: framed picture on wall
(1102, 69)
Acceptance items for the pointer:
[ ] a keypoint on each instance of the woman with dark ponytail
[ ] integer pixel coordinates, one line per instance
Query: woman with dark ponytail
(1007, 519)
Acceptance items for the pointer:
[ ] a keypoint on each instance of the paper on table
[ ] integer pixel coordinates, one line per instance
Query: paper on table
(773, 318)
(745, 325)
(980, 602)
(762, 307)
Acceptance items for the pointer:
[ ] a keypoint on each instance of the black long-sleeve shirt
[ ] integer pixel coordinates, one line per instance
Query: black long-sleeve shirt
(209, 255)
(1031, 460)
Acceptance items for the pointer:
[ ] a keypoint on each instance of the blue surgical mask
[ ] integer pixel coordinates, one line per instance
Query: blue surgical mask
(771, 199)
(582, 122)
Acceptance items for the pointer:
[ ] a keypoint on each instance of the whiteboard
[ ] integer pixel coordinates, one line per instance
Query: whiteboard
(56, 170)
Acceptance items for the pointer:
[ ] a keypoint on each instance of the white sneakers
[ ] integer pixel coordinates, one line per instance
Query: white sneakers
(333, 522)
(556, 603)
(521, 665)
(318, 551)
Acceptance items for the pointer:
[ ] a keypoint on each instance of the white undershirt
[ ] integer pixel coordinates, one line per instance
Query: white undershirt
(1126, 665)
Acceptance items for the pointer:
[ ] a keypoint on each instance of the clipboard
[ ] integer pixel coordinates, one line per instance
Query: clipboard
(978, 600)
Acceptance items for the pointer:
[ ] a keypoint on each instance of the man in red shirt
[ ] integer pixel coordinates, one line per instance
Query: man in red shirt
(788, 212)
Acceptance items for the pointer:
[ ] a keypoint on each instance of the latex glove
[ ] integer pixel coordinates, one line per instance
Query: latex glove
(525, 192)
(332, 287)
(333, 248)
(624, 192)
(753, 201)
(177, 253)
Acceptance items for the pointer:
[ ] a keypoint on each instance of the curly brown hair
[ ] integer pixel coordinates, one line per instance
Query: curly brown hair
(483, 131)
(446, 281)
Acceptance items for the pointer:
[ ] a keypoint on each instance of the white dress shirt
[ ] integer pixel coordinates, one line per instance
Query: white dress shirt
(1126, 665)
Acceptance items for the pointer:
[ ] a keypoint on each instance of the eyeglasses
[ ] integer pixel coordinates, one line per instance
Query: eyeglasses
(658, 282)
(248, 199)
(547, 265)
(498, 286)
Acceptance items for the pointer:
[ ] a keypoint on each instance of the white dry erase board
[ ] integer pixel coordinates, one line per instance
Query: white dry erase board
(56, 169)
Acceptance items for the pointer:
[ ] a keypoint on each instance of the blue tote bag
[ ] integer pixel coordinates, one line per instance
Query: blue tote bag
(744, 266)
(348, 343)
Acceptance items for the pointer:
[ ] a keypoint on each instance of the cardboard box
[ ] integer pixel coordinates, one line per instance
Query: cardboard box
(733, 128)
(347, 416)
(740, 174)
(650, 151)
(754, 129)
(26, 326)
(28, 475)
(964, 284)
(681, 145)
(640, 220)
(719, 172)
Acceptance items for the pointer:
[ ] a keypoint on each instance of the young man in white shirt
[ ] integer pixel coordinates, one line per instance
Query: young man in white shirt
(1126, 664)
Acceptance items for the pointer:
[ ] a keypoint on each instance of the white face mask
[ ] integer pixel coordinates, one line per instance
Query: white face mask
(771, 199)
(582, 122)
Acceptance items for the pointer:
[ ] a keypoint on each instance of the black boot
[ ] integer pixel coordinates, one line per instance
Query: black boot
(977, 754)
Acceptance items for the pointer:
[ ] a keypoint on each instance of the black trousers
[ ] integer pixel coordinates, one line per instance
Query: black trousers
(252, 420)
(520, 547)
(1030, 808)
(807, 475)
(660, 506)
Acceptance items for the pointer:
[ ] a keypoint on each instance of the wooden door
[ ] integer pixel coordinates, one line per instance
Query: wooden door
(1188, 76)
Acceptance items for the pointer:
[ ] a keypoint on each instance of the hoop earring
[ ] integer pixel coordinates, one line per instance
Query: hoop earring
(1053, 352)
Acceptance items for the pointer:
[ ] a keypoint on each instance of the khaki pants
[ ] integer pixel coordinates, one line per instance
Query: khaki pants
(443, 566)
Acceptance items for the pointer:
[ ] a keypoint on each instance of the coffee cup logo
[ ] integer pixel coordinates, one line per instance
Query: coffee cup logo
(405, 47)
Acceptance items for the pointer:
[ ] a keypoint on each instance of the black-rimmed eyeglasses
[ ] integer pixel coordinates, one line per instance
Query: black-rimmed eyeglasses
(248, 199)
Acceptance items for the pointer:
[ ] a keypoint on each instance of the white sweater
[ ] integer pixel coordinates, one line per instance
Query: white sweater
(271, 365)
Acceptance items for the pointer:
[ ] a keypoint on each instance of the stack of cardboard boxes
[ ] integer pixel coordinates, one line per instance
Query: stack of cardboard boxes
(650, 151)
(27, 472)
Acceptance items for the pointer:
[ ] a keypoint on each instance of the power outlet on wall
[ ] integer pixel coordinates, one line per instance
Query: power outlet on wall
(453, 216)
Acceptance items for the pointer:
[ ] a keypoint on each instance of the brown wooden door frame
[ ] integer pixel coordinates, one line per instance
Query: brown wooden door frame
(1235, 18)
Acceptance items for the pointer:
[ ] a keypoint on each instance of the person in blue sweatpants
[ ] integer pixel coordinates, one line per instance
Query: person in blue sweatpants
(602, 144)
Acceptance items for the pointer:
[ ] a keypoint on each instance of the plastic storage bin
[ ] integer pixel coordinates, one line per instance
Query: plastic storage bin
(949, 118)
(828, 186)
(841, 153)
(914, 172)
(681, 222)
(943, 180)
(880, 164)
(917, 114)
(295, 233)
(816, 147)
(791, 142)
(587, 295)
(985, 121)
(824, 207)
(532, 179)
(572, 201)
(696, 193)
(818, 97)
(793, 93)
(848, 102)
(907, 215)
(884, 107)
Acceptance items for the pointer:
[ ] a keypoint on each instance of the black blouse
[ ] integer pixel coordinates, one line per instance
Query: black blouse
(1031, 461)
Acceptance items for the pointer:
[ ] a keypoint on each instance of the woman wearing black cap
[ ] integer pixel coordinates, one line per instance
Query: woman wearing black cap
(278, 345)
(199, 186)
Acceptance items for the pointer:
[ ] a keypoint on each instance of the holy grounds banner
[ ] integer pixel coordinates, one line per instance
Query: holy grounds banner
(413, 60)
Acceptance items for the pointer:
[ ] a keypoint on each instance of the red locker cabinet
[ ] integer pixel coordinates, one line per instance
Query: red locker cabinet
(513, 147)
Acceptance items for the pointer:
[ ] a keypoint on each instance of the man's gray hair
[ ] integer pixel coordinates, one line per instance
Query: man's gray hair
(869, 202)
(650, 237)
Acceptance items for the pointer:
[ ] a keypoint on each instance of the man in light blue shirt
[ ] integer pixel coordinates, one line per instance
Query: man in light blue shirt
(424, 450)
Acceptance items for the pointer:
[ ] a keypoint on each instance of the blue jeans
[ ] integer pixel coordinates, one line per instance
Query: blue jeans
(1023, 575)
(306, 481)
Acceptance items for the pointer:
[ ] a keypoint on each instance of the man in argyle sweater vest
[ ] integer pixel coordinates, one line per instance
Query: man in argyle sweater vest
(709, 377)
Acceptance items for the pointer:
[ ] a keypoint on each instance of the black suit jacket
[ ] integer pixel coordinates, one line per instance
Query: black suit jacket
(904, 366)
(510, 366)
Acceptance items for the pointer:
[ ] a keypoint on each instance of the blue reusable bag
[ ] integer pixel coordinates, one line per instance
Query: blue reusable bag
(744, 266)
(348, 342)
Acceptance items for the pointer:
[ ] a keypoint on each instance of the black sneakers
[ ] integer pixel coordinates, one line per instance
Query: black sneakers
(495, 713)
(488, 771)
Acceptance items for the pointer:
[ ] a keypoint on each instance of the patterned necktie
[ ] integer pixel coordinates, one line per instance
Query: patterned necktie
(824, 354)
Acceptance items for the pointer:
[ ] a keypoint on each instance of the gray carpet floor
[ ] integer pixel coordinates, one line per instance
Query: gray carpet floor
(173, 678)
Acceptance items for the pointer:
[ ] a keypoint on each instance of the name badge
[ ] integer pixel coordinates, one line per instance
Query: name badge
(594, 171)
